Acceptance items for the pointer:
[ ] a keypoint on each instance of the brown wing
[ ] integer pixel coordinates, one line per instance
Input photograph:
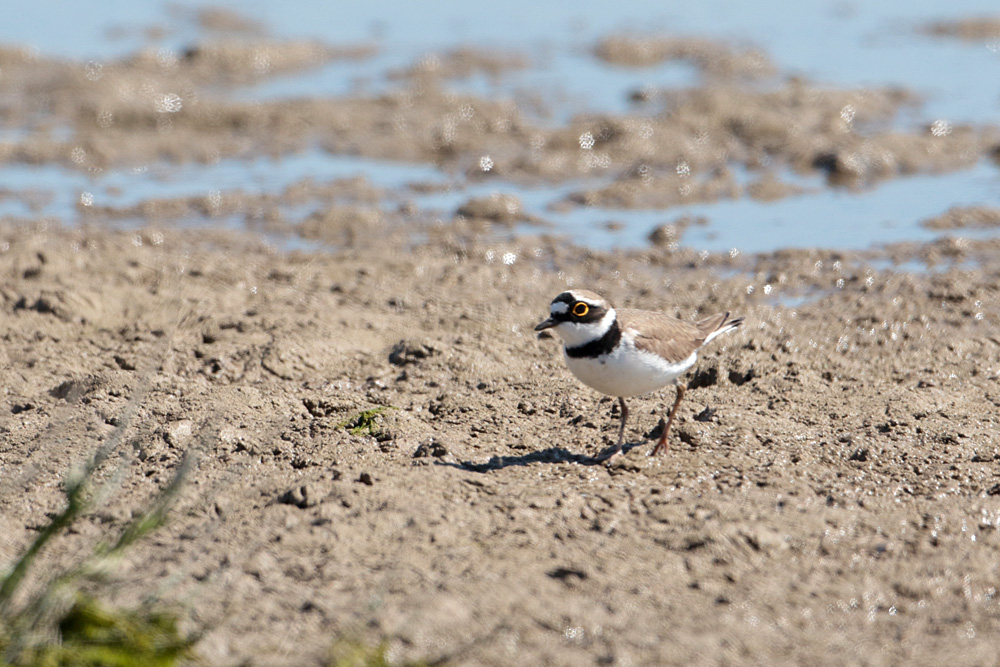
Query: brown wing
(669, 337)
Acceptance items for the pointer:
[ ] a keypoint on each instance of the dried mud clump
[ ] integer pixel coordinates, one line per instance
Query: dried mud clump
(342, 224)
(497, 207)
(254, 209)
(220, 19)
(242, 62)
(973, 29)
(965, 217)
(460, 64)
(711, 58)
(770, 188)
(669, 234)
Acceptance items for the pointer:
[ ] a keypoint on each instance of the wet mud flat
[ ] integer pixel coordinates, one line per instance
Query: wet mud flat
(388, 452)
(748, 129)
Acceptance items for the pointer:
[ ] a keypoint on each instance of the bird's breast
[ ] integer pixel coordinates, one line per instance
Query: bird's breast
(627, 371)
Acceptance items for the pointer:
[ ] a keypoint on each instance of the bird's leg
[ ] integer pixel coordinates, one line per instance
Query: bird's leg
(621, 428)
(621, 434)
(661, 444)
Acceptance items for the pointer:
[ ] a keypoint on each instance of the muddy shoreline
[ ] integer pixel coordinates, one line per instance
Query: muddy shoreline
(830, 469)
(388, 453)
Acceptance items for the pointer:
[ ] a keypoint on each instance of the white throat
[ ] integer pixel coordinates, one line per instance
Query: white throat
(575, 334)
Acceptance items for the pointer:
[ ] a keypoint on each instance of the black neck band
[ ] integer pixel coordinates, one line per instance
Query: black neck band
(602, 345)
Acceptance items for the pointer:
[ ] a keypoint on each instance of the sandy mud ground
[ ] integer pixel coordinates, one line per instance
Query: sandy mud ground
(832, 490)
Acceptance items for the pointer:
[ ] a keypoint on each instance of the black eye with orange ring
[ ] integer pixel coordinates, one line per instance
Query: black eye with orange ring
(580, 309)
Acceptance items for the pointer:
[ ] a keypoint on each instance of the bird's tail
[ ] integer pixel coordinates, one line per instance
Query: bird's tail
(716, 325)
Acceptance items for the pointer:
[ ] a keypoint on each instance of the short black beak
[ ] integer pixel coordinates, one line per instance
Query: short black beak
(546, 324)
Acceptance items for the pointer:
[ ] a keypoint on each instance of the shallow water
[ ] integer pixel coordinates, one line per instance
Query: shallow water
(833, 43)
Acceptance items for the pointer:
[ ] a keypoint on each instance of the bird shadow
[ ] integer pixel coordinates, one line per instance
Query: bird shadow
(550, 455)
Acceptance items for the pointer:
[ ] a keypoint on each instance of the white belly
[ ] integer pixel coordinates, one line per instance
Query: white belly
(627, 371)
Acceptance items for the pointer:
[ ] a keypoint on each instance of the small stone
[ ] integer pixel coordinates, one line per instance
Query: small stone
(408, 352)
(179, 432)
(299, 496)
(860, 454)
(432, 448)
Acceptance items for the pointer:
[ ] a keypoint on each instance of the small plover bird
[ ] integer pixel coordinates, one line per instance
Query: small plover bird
(629, 352)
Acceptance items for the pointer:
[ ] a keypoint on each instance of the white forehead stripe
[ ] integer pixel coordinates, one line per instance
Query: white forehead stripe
(589, 300)
(559, 307)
